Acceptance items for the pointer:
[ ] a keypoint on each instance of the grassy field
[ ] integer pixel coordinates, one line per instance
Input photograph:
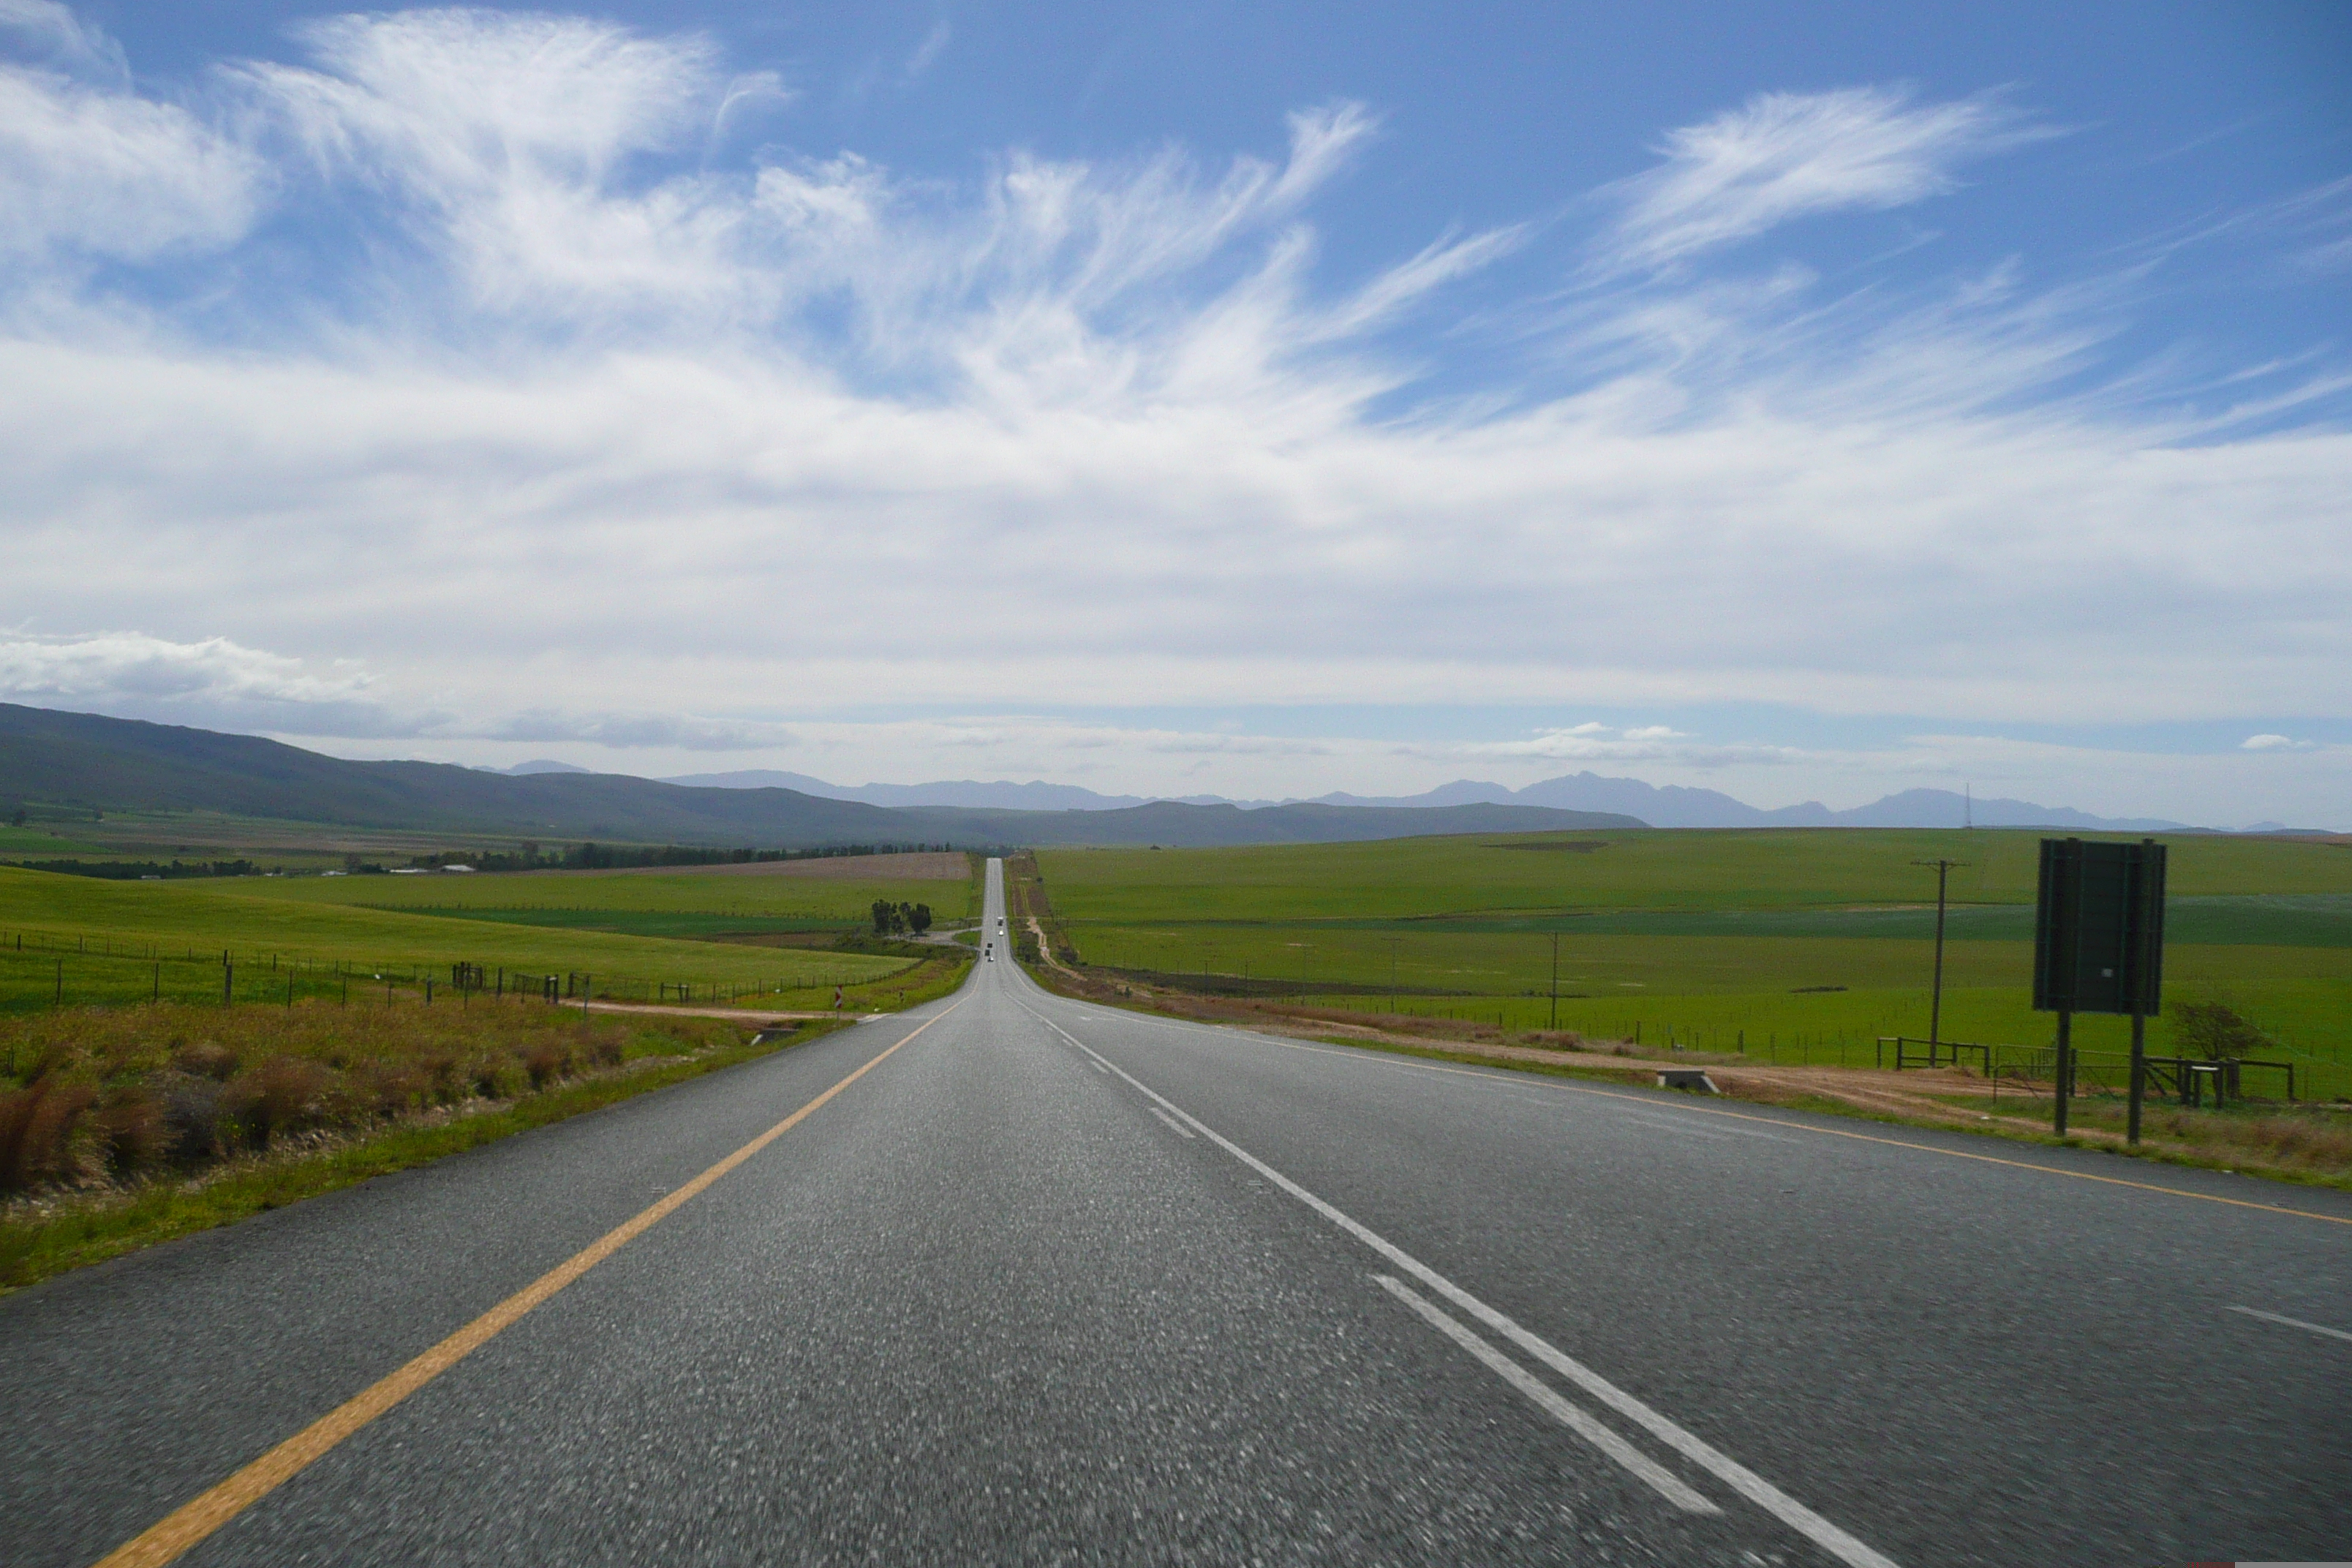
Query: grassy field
(34, 842)
(104, 941)
(1574, 873)
(700, 900)
(210, 836)
(1806, 944)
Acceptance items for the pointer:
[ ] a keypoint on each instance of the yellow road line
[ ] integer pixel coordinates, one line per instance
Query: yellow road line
(1367, 1054)
(192, 1521)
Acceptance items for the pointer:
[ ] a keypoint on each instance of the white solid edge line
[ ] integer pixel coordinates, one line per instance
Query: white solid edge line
(2293, 1322)
(1839, 1544)
(1541, 1397)
(1173, 1125)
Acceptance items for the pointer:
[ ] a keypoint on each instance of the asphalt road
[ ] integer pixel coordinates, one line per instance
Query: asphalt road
(1051, 1283)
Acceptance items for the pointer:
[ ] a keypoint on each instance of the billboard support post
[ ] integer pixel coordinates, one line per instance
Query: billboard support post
(2062, 1075)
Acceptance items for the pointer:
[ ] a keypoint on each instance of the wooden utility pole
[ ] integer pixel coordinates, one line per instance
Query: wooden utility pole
(1936, 995)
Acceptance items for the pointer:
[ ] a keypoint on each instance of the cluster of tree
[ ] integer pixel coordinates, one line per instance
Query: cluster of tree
(133, 871)
(894, 920)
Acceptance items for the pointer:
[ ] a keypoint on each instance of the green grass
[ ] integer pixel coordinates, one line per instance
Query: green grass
(1810, 944)
(685, 925)
(39, 844)
(110, 934)
(1780, 870)
(713, 890)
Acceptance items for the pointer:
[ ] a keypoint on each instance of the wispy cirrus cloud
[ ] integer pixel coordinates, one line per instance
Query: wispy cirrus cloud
(1784, 156)
(88, 168)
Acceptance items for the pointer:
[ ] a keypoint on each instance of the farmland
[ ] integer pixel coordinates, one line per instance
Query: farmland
(773, 898)
(1806, 945)
(74, 938)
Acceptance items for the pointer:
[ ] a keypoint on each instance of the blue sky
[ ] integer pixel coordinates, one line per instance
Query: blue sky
(1802, 401)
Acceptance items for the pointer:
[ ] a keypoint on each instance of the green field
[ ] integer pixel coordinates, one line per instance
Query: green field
(102, 941)
(1806, 943)
(34, 843)
(700, 903)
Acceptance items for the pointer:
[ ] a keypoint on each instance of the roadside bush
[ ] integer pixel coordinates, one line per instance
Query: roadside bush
(192, 1121)
(124, 1092)
(282, 1095)
(133, 1129)
(36, 1133)
(546, 1063)
(204, 1060)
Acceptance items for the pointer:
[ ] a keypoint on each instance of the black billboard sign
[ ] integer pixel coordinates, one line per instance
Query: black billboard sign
(2098, 927)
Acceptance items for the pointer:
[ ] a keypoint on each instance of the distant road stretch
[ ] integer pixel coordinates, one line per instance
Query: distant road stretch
(1010, 1278)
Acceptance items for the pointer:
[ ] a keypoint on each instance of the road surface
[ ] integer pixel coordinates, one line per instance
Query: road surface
(1043, 1282)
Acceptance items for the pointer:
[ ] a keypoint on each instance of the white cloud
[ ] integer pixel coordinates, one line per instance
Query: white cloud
(2274, 743)
(213, 682)
(1787, 155)
(114, 664)
(578, 446)
(86, 167)
(1648, 743)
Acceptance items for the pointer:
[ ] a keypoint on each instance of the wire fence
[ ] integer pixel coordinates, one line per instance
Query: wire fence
(2313, 1078)
(46, 970)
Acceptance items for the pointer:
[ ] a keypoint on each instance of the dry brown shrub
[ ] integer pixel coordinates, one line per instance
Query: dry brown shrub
(205, 1059)
(546, 1062)
(122, 1090)
(283, 1094)
(2304, 1140)
(443, 1076)
(133, 1131)
(36, 1133)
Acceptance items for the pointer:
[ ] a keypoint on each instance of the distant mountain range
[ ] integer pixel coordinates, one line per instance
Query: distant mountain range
(1669, 805)
(88, 760)
(1001, 796)
(118, 764)
(1675, 805)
